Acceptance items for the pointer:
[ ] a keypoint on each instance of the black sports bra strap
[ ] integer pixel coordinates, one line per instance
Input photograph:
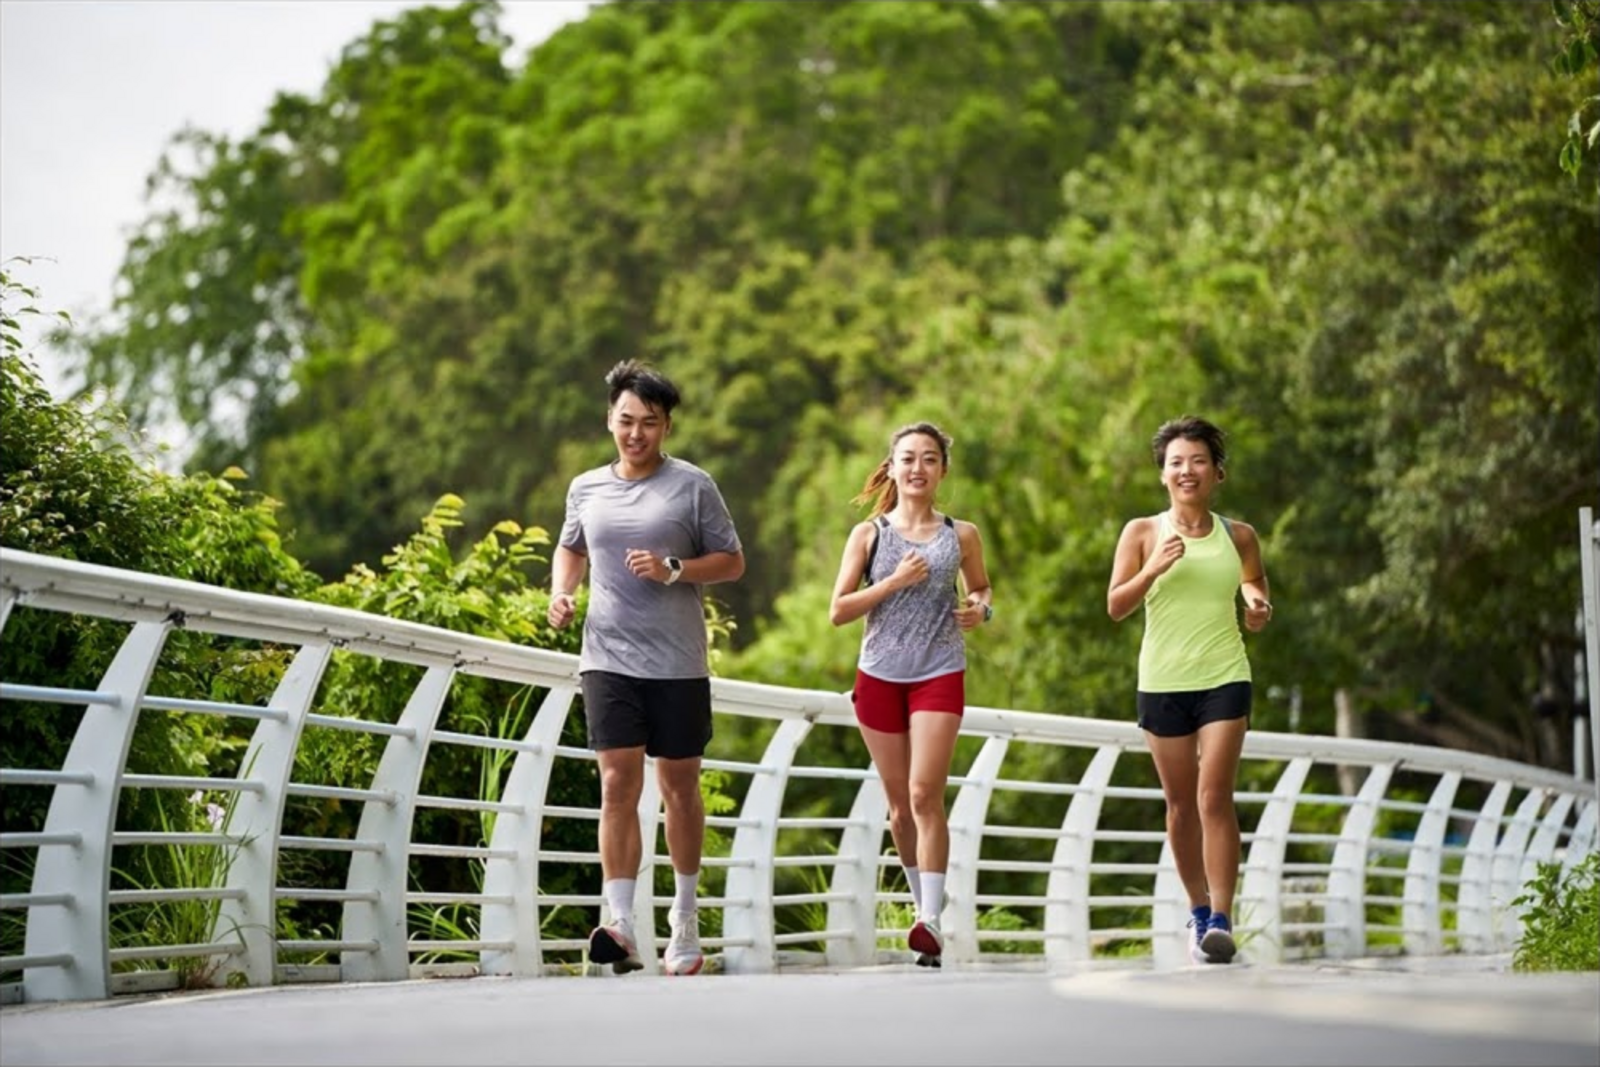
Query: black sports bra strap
(882, 522)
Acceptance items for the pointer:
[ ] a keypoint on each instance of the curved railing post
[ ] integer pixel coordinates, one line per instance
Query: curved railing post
(1259, 907)
(1508, 859)
(967, 817)
(747, 919)
(856, 875)
(1345, 911)
(1422, 917)
(1066, 915)
(1474, 900)
(1582, 841)
(257, 819)
(88, 809)
(521, 833)
(389, 823)
(1542, 849)
(1169, 910)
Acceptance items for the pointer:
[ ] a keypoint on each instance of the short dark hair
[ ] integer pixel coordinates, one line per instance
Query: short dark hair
(643, 381)
(1190, 428)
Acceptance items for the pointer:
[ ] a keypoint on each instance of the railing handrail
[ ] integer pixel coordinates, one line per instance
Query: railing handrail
(45, 581)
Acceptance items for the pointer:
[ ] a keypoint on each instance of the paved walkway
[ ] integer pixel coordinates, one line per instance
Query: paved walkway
(1447, 1012)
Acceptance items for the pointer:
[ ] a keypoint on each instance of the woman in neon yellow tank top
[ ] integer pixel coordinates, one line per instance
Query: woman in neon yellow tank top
(1185, 566)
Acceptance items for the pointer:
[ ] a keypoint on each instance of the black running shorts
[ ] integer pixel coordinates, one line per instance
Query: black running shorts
(1181, 714)
(670, 717)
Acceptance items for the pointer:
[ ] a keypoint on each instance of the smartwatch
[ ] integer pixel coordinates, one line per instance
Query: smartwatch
(674, 569)
(988, 612)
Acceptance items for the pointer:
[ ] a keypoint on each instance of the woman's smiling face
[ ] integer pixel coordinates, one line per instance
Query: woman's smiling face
(918, 465)
(1189, 472)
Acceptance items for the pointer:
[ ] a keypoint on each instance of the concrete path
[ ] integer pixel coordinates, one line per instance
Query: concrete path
(1364, 1012)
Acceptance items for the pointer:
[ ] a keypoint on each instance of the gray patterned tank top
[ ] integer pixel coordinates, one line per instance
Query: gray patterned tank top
(912, 635)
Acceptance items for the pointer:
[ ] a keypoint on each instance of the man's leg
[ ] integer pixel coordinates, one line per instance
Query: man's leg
(679, 783)
(621, 783)
(680, 730)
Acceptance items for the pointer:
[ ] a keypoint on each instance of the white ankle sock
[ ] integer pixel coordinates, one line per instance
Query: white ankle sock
(685, 886)
(619, 897)
(932, 902)
(914, 880)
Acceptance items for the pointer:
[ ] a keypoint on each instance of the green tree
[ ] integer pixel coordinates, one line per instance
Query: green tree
(1576, 58)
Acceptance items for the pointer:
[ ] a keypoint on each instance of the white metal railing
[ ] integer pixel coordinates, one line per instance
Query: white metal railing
(1425, 858)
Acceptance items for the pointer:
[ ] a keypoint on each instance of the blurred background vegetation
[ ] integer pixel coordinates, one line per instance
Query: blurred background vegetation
(1360, 236)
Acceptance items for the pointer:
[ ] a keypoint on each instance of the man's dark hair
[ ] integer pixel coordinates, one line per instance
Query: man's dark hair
(1190, 428)
(643, 381)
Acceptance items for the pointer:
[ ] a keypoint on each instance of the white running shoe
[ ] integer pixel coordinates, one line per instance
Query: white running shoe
(615, 945)
(683, 955)
(1196, 953)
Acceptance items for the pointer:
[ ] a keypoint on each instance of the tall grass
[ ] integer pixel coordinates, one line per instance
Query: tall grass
(194, 866)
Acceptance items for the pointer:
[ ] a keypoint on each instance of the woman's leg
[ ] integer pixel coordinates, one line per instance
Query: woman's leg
(1178, 766)
(891, 755)
(933, 743)
(1218, 770)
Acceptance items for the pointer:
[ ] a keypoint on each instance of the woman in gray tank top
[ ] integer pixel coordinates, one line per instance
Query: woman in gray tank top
(919, 579)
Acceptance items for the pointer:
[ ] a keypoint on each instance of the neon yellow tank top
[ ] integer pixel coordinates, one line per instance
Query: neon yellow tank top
(1191, 624)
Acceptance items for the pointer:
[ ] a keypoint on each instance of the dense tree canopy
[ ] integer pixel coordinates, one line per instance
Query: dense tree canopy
(1341, 230)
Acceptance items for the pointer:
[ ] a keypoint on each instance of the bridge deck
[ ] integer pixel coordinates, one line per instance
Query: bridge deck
(1448, 1010)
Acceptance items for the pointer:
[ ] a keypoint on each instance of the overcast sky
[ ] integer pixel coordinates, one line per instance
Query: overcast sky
(91, 90)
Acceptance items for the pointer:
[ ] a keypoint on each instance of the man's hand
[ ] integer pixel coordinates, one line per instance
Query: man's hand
(563, 608)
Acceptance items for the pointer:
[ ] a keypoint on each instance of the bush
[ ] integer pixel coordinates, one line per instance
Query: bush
(1561, 919)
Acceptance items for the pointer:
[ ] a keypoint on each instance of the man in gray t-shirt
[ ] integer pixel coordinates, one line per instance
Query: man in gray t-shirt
(650, 530)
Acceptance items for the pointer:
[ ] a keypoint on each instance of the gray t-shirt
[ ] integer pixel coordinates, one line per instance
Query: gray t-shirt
(913, 635)
(638, 626)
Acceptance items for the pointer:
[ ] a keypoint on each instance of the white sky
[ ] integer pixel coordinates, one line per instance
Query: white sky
(91, 91)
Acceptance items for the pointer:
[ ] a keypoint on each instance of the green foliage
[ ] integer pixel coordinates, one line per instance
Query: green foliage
(73, 484)
(1560, 919)
(1576, 59)
(998, 919)
(486, 592)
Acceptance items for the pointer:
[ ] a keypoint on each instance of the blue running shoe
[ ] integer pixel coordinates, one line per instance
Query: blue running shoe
(1217, 942)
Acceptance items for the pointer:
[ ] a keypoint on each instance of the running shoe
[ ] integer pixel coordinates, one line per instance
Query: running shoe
(925, 938)
(614, 944)
(1217, 943)
(683, 955)
(1197, 954)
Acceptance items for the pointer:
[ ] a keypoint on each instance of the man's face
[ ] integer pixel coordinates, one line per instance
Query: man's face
(638, 429)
